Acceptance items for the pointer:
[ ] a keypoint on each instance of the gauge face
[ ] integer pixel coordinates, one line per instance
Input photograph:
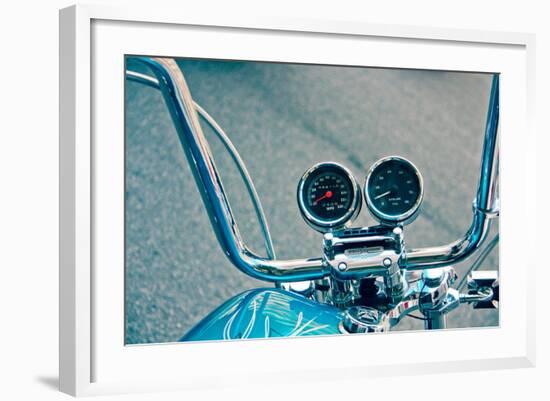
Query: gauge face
(394, 190)
(328, 196)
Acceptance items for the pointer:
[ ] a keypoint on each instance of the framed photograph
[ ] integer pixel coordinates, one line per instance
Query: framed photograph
(249, 199)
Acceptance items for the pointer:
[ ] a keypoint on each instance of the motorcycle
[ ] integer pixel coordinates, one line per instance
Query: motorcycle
(365, 279)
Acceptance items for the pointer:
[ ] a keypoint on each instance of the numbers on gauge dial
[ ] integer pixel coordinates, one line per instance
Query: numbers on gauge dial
(329, 195)
(394, 187)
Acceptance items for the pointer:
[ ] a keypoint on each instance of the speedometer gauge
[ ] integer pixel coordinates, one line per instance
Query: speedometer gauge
(328, 196)
(394, 190)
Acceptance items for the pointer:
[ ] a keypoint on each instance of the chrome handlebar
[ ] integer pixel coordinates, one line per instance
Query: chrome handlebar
(485, 206)
(197, 150)
(177, 96)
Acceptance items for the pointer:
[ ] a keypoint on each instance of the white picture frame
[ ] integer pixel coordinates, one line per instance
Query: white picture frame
(93, 358)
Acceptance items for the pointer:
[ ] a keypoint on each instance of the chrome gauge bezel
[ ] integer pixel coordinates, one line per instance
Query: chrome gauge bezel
(403, 218)
(323, 225)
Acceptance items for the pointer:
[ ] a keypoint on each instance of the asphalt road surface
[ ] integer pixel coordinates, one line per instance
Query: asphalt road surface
(283, 118)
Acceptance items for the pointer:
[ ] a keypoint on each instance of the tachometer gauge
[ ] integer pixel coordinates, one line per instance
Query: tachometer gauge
(328, 196)
(394, 190)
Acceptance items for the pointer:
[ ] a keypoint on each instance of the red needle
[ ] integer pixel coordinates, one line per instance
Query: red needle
(327, 195)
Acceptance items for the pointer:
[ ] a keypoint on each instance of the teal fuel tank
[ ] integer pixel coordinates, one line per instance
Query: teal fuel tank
(267, 313)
